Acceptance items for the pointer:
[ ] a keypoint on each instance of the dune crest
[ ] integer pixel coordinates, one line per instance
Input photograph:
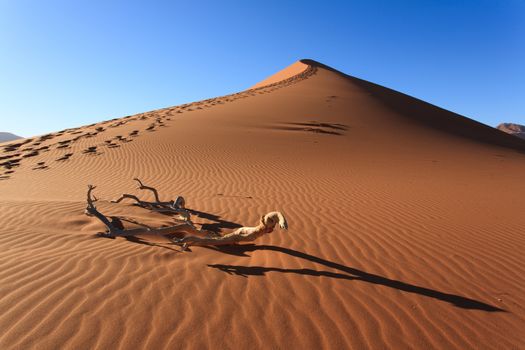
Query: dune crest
(286, 73)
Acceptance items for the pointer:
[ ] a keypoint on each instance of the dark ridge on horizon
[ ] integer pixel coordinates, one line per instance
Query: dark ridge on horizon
(513, 129)
(7, 136)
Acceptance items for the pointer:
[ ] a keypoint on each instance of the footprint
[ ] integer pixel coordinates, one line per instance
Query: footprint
(11, 163)
(90, 150)
(65, 157)
(45, 137)
(32, 154)
(10, 156)
(40, 166)
(121, 138)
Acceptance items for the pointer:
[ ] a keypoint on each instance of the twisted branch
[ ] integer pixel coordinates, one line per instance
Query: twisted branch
(152, 189)
(266, 225)
(194, 236)
(175, 207)
(116, 229)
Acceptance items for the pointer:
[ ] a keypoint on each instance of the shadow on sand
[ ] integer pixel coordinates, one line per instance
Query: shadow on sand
(218, 225)
(345, 272)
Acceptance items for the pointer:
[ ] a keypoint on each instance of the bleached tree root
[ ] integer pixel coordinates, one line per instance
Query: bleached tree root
(116, 229)
(243, 234)
(193, 236)
(176, 207)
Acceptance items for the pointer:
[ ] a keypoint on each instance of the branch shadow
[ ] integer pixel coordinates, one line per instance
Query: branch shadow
(117, 222)
(138, 240)
(219, 223)
(345, 272)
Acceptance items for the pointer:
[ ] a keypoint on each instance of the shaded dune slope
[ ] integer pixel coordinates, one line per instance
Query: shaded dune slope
(429, 115)
(406, 225)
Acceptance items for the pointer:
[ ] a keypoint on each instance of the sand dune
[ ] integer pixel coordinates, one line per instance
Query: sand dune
(406, 225)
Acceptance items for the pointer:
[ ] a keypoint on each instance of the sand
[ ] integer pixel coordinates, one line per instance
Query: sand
(406, 226)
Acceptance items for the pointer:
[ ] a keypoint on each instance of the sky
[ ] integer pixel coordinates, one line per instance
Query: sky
(71, 63)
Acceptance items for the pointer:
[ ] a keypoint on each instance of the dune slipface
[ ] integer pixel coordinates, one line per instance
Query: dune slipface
(406, 225)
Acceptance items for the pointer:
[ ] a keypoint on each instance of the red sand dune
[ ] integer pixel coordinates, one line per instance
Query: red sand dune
(406, 225)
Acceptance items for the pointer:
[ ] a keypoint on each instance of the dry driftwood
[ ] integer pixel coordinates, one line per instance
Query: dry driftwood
(177, 206)
(116, 229)
(194, 236)
(243, 234)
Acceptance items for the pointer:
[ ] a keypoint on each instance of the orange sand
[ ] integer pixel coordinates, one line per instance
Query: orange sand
(406, 226)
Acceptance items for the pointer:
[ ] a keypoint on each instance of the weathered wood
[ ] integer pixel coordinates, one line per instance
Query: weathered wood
(175, 207)
(194, 236)
(154, 190)
(91, 210)
(243, 234)
(117, 230)
(184, 227)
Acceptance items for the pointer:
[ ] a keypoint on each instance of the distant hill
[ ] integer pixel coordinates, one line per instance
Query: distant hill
(7, 136)
(513, 129)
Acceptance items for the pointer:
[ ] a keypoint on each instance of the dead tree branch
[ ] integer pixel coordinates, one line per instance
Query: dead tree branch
(152, 189)
(243, 234)
(175, 207)
(91, 210)
(115, 228)
(194, 236)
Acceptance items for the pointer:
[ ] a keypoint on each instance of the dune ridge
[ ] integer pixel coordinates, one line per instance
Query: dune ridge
(405, 225)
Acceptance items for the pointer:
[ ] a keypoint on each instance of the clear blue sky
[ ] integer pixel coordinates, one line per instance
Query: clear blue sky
(69, 63)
